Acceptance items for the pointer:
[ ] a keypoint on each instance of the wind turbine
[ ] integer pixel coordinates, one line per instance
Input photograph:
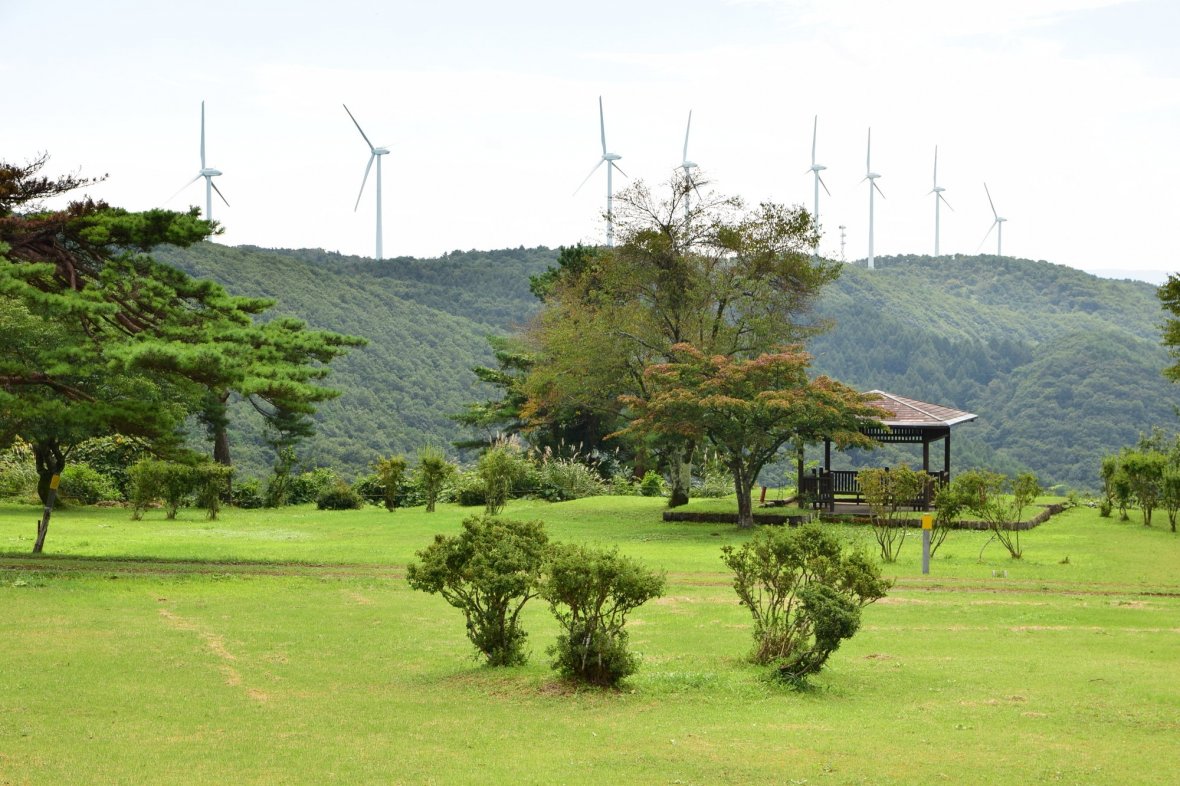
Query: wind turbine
(208, 173)
(871, 176)
(997, 225)
(816, 169)
(687, 166)
(375, 153)
(938, 197)
(609, 159)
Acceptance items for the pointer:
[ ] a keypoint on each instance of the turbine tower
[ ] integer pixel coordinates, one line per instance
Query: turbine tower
(687, 166)
(871, 176)
(374, 153)
(997, 225)
(938, 197)
(208, 173)
(815, 170)
(609, 159)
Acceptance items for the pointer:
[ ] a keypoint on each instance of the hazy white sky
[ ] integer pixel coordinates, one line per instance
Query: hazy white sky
(1068, 109)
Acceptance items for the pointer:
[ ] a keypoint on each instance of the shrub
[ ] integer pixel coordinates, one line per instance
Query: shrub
(652, 484)
(623, 484)
(112, 456)
(211, 482)
(887, 492)
(391, 473)
(591, 592)
(805, 594)
(18, 473)
(984, 494)
(501, 469)
(489, 571)
(309, 486)
(432, 474)
(248, 494)
(713, 478)
(82, 484)
(340, 496)
(370, 488)
(468, 489)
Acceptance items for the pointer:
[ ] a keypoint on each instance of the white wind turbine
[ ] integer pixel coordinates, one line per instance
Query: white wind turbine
(997, 225)
(938, 197)
(871, 176)
(375, 153)
(208, 173)
(687, 166)
(816, 169)
(609, 159)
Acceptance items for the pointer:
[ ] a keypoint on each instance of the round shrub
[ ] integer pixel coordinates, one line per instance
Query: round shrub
(340, 496)
(82, 484)
(248, 494)
(652, 484)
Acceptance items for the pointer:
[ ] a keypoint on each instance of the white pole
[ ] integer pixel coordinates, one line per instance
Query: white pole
(379, 207)
(936, 200)
(610, 219)
(871, 225)
(208, 198)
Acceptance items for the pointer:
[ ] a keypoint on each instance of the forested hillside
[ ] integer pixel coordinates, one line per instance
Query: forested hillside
(426, 322)
(1060, 366)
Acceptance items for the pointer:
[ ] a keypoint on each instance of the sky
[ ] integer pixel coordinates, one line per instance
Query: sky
(1069, 110)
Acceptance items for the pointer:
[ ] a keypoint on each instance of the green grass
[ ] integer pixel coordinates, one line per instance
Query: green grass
(285, 647)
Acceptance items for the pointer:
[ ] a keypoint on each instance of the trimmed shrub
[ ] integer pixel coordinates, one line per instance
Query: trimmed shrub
(309, 486)
(211, 482)
(591, 592)
(489, 571)
(82, 484)
(804, 593)
(248, 494)
(467, 488)
(339, 496)
(652, 484)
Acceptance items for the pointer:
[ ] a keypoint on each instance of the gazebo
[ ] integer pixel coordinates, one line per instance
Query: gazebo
(909, 422)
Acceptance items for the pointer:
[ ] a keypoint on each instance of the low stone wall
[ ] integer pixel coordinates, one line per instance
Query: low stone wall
(1046, 513)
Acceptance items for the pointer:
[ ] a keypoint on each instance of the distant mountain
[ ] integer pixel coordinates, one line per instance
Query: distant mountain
(427, 323)
(1061, 366)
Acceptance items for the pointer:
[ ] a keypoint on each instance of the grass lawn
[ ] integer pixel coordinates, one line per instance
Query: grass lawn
(285, 647)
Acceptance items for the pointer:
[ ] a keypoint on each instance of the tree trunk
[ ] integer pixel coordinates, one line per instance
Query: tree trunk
(743, 485)
(680, 471)
(50, 460)
(218, 422)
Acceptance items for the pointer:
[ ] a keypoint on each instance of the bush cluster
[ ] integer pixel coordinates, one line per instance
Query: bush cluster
(494, 566)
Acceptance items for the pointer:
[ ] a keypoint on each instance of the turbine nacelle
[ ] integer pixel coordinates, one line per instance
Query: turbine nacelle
(687, 165)
(209, 172)
(611, 157)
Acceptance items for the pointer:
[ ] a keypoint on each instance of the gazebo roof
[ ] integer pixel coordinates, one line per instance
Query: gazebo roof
(908, 412)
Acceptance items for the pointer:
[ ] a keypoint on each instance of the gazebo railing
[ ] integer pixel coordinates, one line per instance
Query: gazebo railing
(822, 489)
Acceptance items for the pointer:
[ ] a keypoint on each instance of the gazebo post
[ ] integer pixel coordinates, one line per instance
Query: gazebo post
(946, 455)
(827, 454)
(926, 454)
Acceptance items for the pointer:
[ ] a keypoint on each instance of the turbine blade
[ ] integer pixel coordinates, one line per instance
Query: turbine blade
(986, 236)
(363, 182)
(990, 202)
(879, 191)
(948, 204)
(621, 172)
(822, 183)
(687, 128)
(592, 171)
(936, 166)
(358, 128)
(186, 185)
(869, 152)
(202, 135)
(602, 124)
(814, 129)
(218, 190)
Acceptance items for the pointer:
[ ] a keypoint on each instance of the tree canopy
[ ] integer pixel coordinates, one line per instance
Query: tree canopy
(748, 409)
(105, 339)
